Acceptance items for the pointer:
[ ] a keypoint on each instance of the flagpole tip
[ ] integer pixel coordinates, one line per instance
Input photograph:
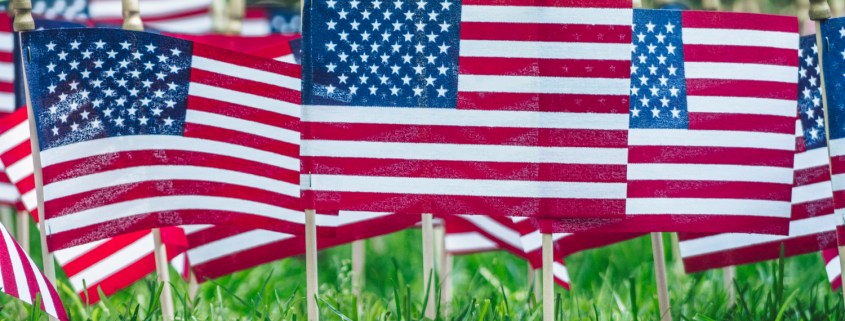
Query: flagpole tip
(637, 4)
(819, 10)
(23, 15)
(132, 16)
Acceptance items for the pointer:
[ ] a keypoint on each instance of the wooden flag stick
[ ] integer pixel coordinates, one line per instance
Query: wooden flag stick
(440, 254)
(531, 279)
(660, 274)
(6, 218)
(237, 10)
(311, 283)
(193, 285)
(359, 256)
(219, 17)
(819, 10)
(23, 230)
(428, 260)
(446, 280)
(729, 275)
(548, 278)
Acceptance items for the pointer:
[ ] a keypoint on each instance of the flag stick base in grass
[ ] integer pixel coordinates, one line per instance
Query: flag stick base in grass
(729, 274)
(167, 309)
(428, 259)
(359, 249)
(548, 278)
(311, 283)
(660, 274)
(193, 285)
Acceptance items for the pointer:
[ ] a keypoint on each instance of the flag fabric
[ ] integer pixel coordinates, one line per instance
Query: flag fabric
(115, 263)
(564, 244)
(480, 107)
(282, 51)
(245, 44)
(834, 69)
(191, 16)
(7, 66)
(216, 251)
(811, 226)
(467, 234)
(21, 278)
(16, 156)
(218, 129)
(712, 116)
(832, 268)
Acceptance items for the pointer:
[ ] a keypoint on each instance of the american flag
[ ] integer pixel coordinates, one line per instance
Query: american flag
(216, 251)
(480, 107)
(467, 234)
(21, 278)
(115, 263)
(178, 133)
(712, 117)
(811, 227)
(7, 66)
(832, 268)
(834, 68)
(281, 51)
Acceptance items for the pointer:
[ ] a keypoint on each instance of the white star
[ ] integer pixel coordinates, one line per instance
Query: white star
(172, 86)
(365, 36)
(343, 13)
(145, 101)
(375, 47)
(430, 80)
(384, 58)
(63, 117)
(385, 36)
(100, 44)
(53, 109)
(417, 91)
(660, 37)
(86, 54)
(652, 70)
(819, 122)
(162, 58)
(55, 130)
(118, 121)
(671, 49)
(148, 65)
(366, 14)
(641, 37)
(664, 101)
(84, 93)
(395, 69)
(441, 92)
(442, 69)
(431, 58)
(644, 100)
(85, 73)
(373, 90)
(814, 133)
(420, 26)
(354, 3)
(96, 123)
(124, 45)
(157, 111)
(175, 52)
(675, 112)
(331, 3)
(635, 91)
(364, 79)
(98, 64)
(644, 80)
(421, 5)
(355, 24)
(406, 58)
(62, 76)
(120, 101)
(124, 63)
(807, 93)
(816, 101)
(431, 37)
(160, 76)
(394, 91)
(376, 25)
(406, 80)
(133, 92)
(809, 60)
(655, 113)
(635, 112)
(383, 79)
(815, 49)
(634, 69)
(110, 73)
(96, 83)
(353, 68)
(663, 80)
(135, 73)
(651, 48)
(109, 92)
(51, 67)
(170, 103)
(418, 69)
(73, 85)
(343, 78)
(813, 81)
(146, 83)
(174, 69)
(84, 114)
(650, 26)
(396, 47)
(62, 97)
(97, 102)
(443, 48)
(432, 16)
(168, 121)
(73, 65)
(672, 70)
(143, 119)
(642, 58)
(654, 90)
(387, 14)
(331, 24)
(674, 91)
(353, 89)
(51, 46)
(112, 54)
(662, 59)
(397, 26)
(670, 28)
(842, 33)
(374, 69)
(151, 48)
(62, 55)
(158, 93)
(377, 4)
(444, 27)
(398, 4)
(52, 88)
(409, 15)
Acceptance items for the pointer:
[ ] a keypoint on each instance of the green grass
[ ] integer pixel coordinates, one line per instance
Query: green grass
(601, 289)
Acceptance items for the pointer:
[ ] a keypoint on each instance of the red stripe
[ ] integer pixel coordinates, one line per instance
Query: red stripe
(17, 153)
(101, 252)
(800, 146)
(27, 184)
(214, 233)
(7, 87)
(760, 252)
(91, 233)
(741, 88)
(670, 223)
(467, 170)
(708, 190)
(812, 209)
(554, 3)
(10, 285)
(273, 51)
(742, 122)
(602, 104)
(244, 112)
(14, 119)
(740, 54)
(91, 165)
(811, 175)
(709, 155)
(242, 139)
(734, 20)
(4, 179)
(537, 137)
(449, 204)
(148, 190)
(6, 56)
(544, 67)
(29, 276)
(244, 85)
(837, 165)
(840, 234)
(547, 32)
(249, 61)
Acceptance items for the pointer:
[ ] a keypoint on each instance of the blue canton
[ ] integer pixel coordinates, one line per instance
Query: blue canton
(809, 94)
(87, 84)
(398, 53)
(833, 31)
(658, 87)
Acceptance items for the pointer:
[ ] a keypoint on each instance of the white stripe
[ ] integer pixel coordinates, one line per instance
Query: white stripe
(30, 200)
(838, 181)
(543, 85)
(350, 217)
(501, 232)
(833, 269)
(140, 174)
(468, 242)
(234, 244)
(464, 118)
(17, 268)
(555, 15)
(741, 105)
(534, 241)
(162, 142)
(193, 228)
(799, 129)
(7, 102)
(113, 263)
(708, 172)
(731, 241)
(178, 263)
(740, 71)
(20, 169)
(740, 37)
(255, 27)
(710, 138)
(712, 206)
(69, 254)
(44, 288)
(9, 193)
(7, 42)
(241, 125)
(544, 50)
(151, 8)
(465, 152)
(246, 73)
(14, 137)
(837, 147)
(289, 58)
(194, 24)
(517, 219)
(142, 206)
(559, 270)
(244, 99)
(7, 72)
(811, 158)
(475, 187)
(812, 192)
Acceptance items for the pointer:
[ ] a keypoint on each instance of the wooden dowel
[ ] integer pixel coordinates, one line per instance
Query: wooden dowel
(548, 278)
(163, 271)
(6, 219)
(428, 261)
(237, 10)
(440, 262)
(311, 284)
(660, 274)
(446, 299)
(23, 230)
(219, 18)
(359, 256)
(193, 285)
(729, 274)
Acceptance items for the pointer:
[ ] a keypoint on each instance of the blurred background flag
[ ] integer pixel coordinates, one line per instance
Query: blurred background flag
(712, 117)
(477, 107)
(229, 121)
(811, 226)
